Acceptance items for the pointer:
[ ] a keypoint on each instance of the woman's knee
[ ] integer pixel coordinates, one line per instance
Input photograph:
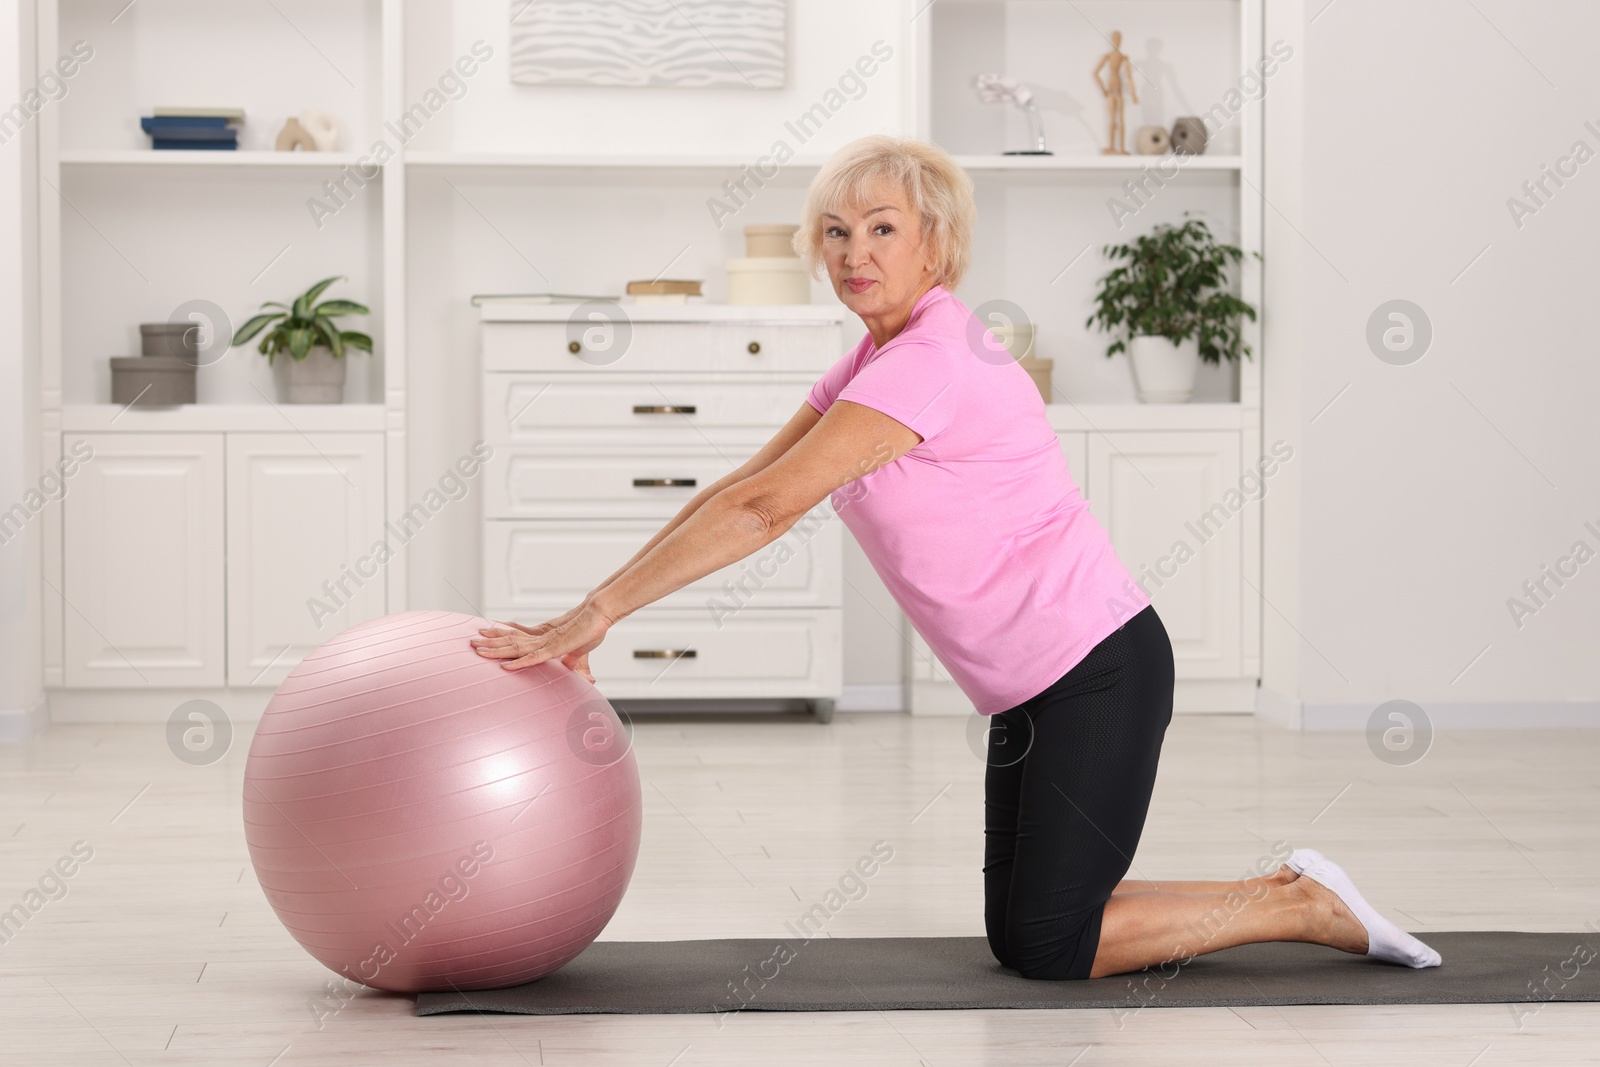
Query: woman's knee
(1057, 950)
(1053, 968)
(1001, 953)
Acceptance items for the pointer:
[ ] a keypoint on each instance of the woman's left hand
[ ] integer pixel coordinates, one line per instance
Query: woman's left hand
(569, 637)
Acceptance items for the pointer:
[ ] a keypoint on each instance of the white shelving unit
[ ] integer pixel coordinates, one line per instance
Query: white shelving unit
(138, 232)
(1143, 468)
(802, 163)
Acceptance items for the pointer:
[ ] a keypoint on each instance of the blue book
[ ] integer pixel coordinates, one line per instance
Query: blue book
(195, 133)
(221, 146)
(169, 122)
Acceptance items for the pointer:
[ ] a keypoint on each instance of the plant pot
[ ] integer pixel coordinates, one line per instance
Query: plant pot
(317, 379)
(1163, 372)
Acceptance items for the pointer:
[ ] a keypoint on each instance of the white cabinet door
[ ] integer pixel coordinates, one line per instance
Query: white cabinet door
(1172, 506)
(304, 515)
(143, 562)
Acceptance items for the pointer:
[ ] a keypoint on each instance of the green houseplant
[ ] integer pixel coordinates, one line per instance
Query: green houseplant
(1169, 308)
(306, 330)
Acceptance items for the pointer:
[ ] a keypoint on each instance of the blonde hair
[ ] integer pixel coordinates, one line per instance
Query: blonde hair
(935, 187)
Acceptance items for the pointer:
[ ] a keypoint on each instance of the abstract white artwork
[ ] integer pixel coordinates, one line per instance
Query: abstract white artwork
(641, 43)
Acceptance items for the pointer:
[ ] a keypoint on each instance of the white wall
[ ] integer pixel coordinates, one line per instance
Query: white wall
(1426, 494)
(477, 231)
(825, 38)
(21, 681)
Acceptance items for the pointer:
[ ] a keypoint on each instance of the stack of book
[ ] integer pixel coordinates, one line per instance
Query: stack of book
(664, 291)
(191, 128)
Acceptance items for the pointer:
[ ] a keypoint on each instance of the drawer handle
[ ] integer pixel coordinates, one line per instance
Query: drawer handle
(574, 347)
(664, 481)
(754, 347)
(663, 409)
(664, 653)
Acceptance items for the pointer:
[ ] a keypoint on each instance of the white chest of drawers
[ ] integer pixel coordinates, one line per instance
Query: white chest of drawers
(603, 427)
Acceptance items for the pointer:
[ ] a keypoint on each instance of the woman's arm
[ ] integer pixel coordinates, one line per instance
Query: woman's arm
(850, 441)
(797, 427)
(739, 517)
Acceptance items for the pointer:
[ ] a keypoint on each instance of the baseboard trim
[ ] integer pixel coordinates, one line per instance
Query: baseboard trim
(1209, 696)
(1279, 709)
(938, 698)
(1190, 696)
(876, 698)
(150, 705)
(20, 724)
(1462, 715)
(246, 705)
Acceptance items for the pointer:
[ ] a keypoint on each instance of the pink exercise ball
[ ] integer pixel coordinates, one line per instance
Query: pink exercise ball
(421, 818)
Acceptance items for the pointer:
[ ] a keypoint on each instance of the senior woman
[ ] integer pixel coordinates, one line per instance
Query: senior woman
(964, 505)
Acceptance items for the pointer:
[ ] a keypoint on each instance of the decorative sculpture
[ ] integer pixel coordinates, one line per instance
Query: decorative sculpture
(1114, 63)
(1151, 141)
(294, 136)
(323, 129)
(1189, 136)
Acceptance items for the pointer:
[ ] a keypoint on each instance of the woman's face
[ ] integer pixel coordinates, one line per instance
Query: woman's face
(875, 255)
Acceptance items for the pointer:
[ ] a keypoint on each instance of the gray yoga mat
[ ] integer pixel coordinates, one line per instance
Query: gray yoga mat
(894, 973)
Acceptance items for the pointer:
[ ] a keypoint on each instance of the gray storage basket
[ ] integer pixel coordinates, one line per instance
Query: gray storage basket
(152, 381)
(176, 339)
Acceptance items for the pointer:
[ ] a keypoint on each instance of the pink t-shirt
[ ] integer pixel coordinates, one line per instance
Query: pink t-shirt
(979, 532)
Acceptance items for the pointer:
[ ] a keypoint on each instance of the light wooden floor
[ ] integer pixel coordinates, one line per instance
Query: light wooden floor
(163, 951)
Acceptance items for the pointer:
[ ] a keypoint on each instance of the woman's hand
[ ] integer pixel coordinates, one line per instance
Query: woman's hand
(569, 637)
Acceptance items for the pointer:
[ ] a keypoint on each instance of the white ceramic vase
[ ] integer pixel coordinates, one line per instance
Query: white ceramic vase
(1163, 372)
(317, 379)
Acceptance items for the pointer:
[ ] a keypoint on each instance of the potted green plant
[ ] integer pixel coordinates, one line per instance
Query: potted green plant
(306, 330)
(1170, 309)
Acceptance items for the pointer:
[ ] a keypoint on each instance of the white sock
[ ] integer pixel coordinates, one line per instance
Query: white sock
(1385, 940)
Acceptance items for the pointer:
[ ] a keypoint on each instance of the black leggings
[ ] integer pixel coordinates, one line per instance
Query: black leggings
(1067, 788)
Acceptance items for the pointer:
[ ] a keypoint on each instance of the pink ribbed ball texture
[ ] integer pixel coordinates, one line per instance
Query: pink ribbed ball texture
(422, 819)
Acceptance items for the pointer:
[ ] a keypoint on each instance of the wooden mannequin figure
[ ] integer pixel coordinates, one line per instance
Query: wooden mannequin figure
(1114, 63)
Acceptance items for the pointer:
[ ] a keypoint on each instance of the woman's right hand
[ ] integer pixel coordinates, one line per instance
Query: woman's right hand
(535, 631)
(579, 663)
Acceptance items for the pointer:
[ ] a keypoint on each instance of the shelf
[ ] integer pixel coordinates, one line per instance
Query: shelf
(149, 157)
(622, 164)
(218, 418)
(721, 161)
(690, 312)
(1070, 163)
(733, 162)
